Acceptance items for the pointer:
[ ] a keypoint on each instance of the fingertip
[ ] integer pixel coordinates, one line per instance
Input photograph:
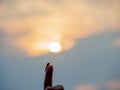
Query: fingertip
(49, 68)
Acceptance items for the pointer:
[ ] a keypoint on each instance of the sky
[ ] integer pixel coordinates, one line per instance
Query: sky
(87, 30)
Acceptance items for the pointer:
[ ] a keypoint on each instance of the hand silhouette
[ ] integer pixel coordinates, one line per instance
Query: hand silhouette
(48, 79)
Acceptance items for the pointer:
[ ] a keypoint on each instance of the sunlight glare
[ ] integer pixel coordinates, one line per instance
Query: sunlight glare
(55, 47)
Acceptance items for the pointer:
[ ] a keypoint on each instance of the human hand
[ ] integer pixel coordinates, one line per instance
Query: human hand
(48, 80)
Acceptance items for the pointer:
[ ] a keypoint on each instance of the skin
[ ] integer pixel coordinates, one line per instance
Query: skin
(48, 80)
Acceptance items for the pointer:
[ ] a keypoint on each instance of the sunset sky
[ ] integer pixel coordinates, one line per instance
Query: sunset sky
(81, 38)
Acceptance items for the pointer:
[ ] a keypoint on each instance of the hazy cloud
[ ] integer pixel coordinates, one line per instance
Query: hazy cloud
(113, 85)
(117, 42)
(107, 85)
(86, 87)
(33, 24)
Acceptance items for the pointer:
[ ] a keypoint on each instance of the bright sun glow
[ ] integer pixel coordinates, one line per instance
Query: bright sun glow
(55, 47)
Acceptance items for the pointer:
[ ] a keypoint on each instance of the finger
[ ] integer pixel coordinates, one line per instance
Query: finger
(49, 88)
(58, 87)
(48, 77)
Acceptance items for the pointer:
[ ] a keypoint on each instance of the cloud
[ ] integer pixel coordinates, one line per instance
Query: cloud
(117, 42)
(86, 87)
(113, 85)
(107, 85)
(35, 23)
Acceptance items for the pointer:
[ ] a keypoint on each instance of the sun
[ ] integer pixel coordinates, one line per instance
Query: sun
(55, 47)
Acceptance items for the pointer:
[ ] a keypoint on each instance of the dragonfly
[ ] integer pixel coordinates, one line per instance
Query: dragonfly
(47, 66)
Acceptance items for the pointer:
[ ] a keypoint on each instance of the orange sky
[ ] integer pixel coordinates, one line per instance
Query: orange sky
(29, 24)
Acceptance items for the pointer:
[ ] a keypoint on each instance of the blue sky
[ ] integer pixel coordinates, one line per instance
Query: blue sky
(93, 60)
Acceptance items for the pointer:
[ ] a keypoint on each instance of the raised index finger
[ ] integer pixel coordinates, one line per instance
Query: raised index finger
(48, 76)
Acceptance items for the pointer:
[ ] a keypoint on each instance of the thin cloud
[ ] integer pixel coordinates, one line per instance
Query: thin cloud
(86, 87)
(30, 23)
(113, 85)
(117, 42)
(107, 85)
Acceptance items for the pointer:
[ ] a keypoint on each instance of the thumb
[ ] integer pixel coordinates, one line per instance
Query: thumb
(48, 88)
